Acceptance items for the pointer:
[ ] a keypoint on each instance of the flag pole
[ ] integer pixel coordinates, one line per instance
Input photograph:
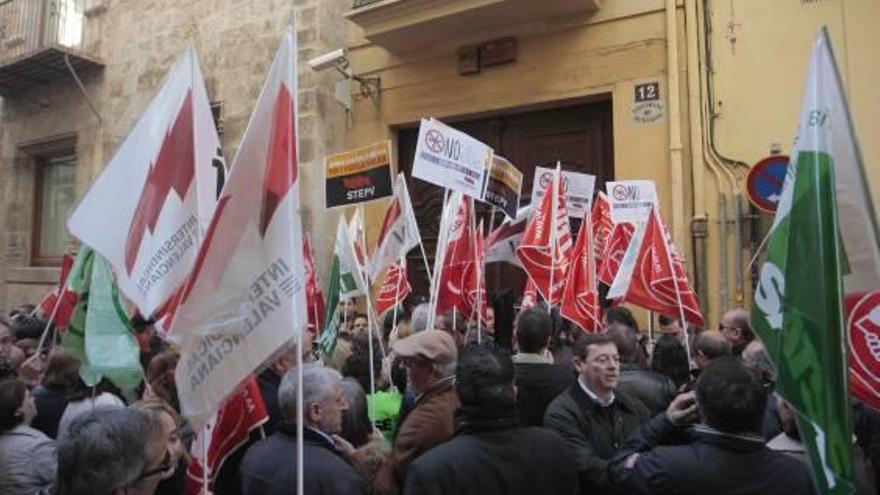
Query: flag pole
(553, 199)
(478, 267)
(397, 294)
(205, 464)
(669, 247)
(651, 326)
(439, 255)
(370, 322)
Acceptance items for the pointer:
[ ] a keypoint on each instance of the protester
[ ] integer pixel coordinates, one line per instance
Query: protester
(60, 380)
(670, 358)
(538, 379)
(737, 329)
(708, 346)
(27, 456)
(270, 379)
(592, 416)
(383, 406)
(112, 451)
(270, 466)
(726, 454)
(756, 358)
(490, 453)
(420, 316)
(348, 309)
(8, 350)
(174, 479)
(654, 390)
(456, 325)
(356, 426)
(359, 325)
(671, 326)
(159, 377)
(84, 399)
(430, 358)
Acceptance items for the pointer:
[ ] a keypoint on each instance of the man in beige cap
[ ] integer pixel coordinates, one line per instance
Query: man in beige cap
(430, 358)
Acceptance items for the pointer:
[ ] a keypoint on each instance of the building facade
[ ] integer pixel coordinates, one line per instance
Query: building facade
(688, 93)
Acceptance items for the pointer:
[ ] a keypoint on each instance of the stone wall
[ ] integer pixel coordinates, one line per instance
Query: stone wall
(138, 40)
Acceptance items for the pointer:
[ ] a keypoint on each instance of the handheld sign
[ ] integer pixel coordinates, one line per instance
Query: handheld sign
(631, 200)
(451, 159)
(504, 186)
(577, 187)
(358, 176)
(764, 182)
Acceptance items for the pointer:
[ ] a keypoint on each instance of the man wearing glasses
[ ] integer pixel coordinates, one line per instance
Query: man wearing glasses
(113, 452)
(592, 416)
(736, 329)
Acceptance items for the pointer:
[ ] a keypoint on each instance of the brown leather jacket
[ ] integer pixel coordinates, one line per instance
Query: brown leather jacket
(429, 424)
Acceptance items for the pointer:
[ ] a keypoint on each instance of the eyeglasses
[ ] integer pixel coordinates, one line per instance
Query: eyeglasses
(165, 466)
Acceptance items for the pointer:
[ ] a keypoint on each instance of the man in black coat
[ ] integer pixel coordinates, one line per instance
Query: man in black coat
(592, 416)
(654, 390)
(490, 453)
(269, 466)
(538, 379)
(724, 455)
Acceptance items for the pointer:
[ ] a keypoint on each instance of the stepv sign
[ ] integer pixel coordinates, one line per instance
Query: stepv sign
(764, 182)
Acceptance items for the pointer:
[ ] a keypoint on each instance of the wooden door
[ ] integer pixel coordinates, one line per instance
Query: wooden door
(577, 136)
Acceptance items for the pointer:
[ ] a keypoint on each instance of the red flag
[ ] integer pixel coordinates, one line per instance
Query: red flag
(314, 295)
(863, 325)
(653, 285)
(458, 260)
(395, 288)
(614, 251)
(68, 297)
(226, 433)
(547, 244)
(602, 225)
(580, 300)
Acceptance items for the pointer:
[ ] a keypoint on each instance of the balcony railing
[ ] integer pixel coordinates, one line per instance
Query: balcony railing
(38, 38)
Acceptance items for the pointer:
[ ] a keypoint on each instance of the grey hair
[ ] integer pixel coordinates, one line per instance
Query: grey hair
(444, 370)
(318, 382)
(419, 318)
(104, 450)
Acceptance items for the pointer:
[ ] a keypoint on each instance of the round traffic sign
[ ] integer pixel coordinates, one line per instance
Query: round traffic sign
(764, 182)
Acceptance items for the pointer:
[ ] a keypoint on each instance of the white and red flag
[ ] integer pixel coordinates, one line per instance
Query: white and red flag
(61, 296)
(657, 280)
(225, 432)
(545, 248)
(246, 296)
(356, 234)
(476, 278)
(399, 232)
(314, 294)
(395, 288)
(602, 226)
(615, 248)
(147, 210)
(459, 254)
(502, 242)
(580, 300)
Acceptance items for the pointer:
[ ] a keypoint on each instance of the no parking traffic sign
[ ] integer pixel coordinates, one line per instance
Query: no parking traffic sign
(764, 182)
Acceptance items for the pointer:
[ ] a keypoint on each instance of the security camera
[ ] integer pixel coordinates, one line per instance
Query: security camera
(336, 59)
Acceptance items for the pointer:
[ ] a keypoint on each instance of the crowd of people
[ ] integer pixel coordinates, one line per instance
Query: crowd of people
(523, 404)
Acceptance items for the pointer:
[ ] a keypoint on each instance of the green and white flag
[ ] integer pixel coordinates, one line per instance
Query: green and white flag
(99, 335)
(798, 307)
(345, 282)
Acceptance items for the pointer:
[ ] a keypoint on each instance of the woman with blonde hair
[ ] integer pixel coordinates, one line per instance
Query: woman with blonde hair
(174, 480)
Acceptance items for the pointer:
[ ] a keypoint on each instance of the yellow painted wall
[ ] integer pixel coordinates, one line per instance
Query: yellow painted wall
(759, 58)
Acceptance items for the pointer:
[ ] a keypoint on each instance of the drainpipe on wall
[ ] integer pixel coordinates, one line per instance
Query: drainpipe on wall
(675, 148)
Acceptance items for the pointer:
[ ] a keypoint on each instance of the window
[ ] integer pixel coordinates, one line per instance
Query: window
(54, 200)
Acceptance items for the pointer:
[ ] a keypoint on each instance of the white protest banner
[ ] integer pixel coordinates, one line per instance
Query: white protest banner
(451, 159)
(577, 187)
(147, 210)
(246, 296)
(631, 200)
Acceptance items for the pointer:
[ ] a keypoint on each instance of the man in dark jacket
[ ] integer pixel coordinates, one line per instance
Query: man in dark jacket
(654, 390)
(592, 416)
(269, 466)
(725, 455)
(538, 379)
(490, 453)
